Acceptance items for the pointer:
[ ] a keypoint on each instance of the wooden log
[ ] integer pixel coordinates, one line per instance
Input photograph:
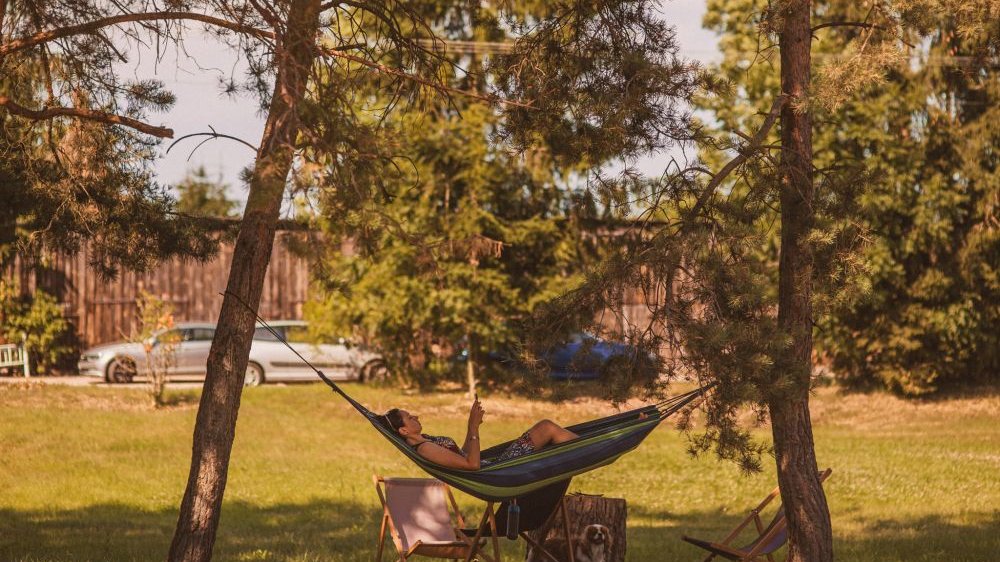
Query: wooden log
(578, 511)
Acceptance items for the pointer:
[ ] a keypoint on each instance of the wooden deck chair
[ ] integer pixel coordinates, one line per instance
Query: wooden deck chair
(416, 513)
(769, 538)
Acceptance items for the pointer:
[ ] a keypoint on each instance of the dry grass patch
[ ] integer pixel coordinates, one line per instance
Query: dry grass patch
(36, 394)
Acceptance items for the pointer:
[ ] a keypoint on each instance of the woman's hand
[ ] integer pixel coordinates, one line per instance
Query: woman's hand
(476, 415)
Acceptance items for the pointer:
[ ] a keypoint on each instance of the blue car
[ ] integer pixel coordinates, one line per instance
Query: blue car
(582, 357)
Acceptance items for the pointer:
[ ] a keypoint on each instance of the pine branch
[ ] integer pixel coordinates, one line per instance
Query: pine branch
(84, 113)
(756, 143)
(860, 24)
(422, 81)
(848, 24)
(92, 26)
(211, 136)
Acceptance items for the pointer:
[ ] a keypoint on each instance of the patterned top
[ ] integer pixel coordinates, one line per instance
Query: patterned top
(520, 447)
(446, 442)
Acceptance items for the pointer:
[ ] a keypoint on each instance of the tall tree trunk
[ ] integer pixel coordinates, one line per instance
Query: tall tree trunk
(470, 366)
(810, 535)
(215, 427)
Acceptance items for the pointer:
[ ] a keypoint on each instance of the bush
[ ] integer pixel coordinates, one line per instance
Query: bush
(51, 340)
(159, 341)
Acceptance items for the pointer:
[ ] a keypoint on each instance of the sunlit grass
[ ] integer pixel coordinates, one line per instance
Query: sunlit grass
(95, 474)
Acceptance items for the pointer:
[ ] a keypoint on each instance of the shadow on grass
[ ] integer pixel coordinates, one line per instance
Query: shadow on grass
(321, 531)
(926, 538)
(315, 531)
(957, 391)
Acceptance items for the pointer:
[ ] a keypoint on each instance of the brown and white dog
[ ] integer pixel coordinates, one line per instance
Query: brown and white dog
(592, 545)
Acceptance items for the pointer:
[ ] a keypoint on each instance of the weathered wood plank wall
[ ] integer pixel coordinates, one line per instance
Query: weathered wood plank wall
(105, 310)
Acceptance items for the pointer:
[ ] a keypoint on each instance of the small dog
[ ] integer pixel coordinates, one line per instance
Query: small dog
(592, 545)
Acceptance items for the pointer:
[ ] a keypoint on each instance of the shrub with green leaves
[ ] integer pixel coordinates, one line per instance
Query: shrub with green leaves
(38, 320)
(918, 308)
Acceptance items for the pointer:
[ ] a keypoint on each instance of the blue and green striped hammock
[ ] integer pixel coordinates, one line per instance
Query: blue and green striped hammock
(600, 443)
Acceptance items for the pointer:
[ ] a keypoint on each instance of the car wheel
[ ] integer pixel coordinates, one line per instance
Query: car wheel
(120, 370)
(254, 375)
(374, 371)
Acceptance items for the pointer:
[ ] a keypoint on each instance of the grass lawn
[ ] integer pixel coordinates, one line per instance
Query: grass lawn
(96, 474)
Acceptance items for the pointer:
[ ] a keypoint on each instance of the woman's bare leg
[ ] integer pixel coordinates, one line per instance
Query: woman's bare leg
(547, 432)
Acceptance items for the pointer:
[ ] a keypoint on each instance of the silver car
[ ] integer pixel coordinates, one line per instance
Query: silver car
(270, 359)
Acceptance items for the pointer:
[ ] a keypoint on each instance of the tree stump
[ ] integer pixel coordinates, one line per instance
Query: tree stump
(583, 510)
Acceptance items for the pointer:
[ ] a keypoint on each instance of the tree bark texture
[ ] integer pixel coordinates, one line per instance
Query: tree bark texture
(583, 510)
(810, 535)
(215, 427)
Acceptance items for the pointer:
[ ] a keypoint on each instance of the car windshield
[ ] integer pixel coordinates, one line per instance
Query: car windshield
(263, 334)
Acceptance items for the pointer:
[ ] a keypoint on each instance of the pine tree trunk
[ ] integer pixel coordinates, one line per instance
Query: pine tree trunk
(470, 367)
(215, 427)
(810, 535)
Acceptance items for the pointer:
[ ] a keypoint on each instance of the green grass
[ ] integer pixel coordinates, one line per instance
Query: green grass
(95, 474)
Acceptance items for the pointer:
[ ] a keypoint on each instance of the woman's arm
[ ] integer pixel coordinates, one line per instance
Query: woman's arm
(471, 446)
(444, 457)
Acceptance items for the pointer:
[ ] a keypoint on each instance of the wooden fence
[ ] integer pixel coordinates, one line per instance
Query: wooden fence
(105, 310)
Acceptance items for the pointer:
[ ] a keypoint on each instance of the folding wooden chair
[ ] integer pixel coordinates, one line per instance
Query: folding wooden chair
(769, 538)
(415, 512)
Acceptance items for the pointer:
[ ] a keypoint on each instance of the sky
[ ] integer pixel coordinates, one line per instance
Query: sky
(194, 77)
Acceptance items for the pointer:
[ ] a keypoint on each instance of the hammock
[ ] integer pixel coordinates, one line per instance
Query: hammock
(600, 443)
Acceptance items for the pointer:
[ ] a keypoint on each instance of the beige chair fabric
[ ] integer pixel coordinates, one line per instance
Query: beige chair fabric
(419, 508)
(416, 515)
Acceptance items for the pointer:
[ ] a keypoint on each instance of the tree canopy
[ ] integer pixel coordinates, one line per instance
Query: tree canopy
(466, 235)
(908, 168)
(78, 154)
(199, 195)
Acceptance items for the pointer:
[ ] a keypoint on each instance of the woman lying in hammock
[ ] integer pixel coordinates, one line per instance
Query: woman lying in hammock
(445, 452)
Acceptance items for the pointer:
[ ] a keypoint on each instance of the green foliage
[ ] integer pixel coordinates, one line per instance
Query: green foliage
(603, 78)
(38, 317)
(69, 181)
(907, 163)
(699, 257)
(470, 239)
(463, 237)
(932, 317)
(200, 196)
(707, 260)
